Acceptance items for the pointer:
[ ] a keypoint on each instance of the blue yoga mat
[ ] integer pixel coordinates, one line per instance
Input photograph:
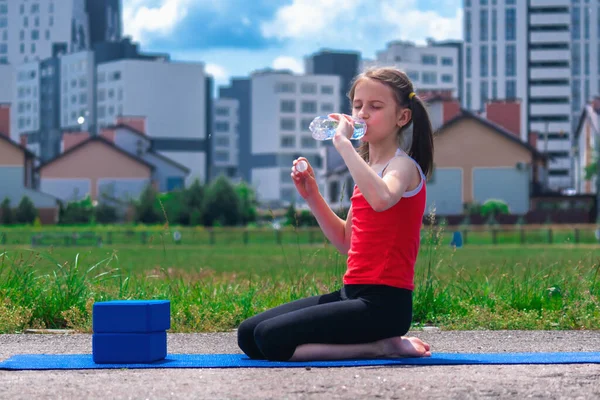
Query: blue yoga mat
(84, 361)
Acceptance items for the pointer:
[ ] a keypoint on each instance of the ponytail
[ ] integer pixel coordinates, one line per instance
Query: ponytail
(421, 149)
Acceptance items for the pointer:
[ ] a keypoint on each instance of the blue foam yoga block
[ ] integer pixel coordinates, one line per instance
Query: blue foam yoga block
(124, 348)
(131, 316)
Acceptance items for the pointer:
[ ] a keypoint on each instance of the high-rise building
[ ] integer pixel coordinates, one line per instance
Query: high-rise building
(240, 90)
(433, 68)
(344, 64)
(173, 99)
(283, 105)
(225, 138)
(33, 30)
(543, 52)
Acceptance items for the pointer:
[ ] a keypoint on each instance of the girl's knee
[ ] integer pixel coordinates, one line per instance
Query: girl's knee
(245, 339)
(271, 343)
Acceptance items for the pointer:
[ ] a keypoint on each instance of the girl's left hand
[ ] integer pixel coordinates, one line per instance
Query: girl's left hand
(345, 129)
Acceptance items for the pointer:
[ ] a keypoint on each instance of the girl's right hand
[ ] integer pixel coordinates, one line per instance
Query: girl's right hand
(305, 181)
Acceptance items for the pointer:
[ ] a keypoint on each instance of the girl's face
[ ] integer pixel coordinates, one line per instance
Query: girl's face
(375, 103)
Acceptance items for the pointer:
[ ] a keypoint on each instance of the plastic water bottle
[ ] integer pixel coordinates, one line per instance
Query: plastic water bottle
(323, 128)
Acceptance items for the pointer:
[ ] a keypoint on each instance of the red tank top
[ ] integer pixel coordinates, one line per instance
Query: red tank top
(384, 245)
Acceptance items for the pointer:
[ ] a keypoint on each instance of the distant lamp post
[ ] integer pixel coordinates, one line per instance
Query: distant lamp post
(80, 121)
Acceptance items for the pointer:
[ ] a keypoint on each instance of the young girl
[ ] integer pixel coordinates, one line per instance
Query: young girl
(369, 315)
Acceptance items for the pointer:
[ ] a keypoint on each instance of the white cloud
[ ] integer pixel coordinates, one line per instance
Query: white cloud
(139, 20)
(417, 25)
(291, 63)
(217, 71)
(361, 23)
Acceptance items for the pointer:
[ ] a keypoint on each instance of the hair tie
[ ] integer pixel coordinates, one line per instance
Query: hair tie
(411, 95)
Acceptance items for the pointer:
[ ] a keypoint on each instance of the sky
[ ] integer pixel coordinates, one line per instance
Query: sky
(235, 37)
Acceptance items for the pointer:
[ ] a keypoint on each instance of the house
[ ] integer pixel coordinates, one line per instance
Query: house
(475, 159)
(586, 147)
(98, 168)
(116, 165)
(129, 135)
(17, 175)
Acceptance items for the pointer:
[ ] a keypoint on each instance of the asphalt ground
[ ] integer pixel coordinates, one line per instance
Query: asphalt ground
(570, 381)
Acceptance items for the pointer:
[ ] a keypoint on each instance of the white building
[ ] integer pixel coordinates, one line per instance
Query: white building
(283, 105)
(546, 54)
(171, 96)
(77, 90)
(430, 68)
(25, 112)
(30, 28)
(225, 137)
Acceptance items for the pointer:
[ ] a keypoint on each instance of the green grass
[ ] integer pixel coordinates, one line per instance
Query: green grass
(215, 287)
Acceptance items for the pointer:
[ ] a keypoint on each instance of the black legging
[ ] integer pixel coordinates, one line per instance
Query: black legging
(354, 314)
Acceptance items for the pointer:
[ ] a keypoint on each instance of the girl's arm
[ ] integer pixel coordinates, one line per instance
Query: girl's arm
(335, 229)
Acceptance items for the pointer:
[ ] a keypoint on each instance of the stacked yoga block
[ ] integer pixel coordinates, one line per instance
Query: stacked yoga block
(130, 331)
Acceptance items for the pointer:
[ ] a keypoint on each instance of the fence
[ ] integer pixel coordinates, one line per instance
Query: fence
(471, 235)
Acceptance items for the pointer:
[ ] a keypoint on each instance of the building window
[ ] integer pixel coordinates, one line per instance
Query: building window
(484, 93)
(287, 106)
(428, 59)
(221, 126)
(511, 62)
(469, 96)
(429, 77)
(575, 24)
(494, 60)
(305, 123)
(447, 78)
(287, 124)
(285, 87)
(288, 142)
(308, 143)
(483, 25)
(413, 75)
(511, 89)
(576, 59)
(308, 88)
(222, 141)
(468, 61)
(309, 107)
(326, 89)
(447, 61)
(326, 107)
(511, 24)
(222, 111)
(468, 26)
(222, 156)
(483, 61)
(494, 25)
(174, 183)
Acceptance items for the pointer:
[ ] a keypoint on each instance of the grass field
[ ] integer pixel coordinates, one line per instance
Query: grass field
(215, 287)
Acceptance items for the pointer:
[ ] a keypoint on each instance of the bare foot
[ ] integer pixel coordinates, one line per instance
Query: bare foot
(404, 347)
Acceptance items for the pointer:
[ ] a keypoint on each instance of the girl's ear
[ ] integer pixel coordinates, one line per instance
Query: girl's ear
(404, 117)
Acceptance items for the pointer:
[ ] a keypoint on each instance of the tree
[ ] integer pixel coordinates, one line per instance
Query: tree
(493, 207)
(7, 212)
(26, 211)
(247, 201)
(221, 204)
(291, 218)
(193, 199)
(77, 212)
(147, 208)
(105, 214)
